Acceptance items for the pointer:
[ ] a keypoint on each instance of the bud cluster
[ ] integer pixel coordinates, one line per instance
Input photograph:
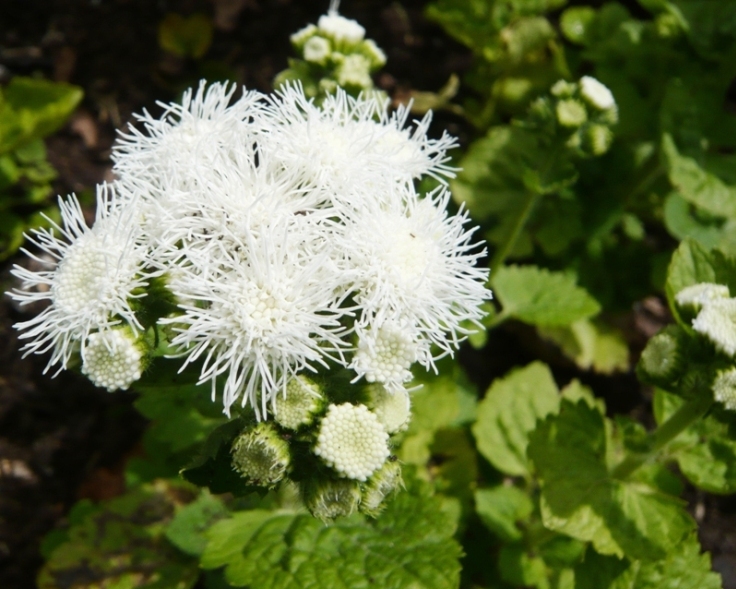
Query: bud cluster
(333, 53)
(580, 113)
(699, 360)
(339, 454)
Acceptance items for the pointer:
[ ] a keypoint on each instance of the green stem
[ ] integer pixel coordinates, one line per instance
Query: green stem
(684, 417)
(505, 248)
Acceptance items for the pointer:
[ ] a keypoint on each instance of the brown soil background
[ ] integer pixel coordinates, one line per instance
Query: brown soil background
(61, 439)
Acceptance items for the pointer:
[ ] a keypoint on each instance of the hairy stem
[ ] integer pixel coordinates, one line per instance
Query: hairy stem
(681, 419)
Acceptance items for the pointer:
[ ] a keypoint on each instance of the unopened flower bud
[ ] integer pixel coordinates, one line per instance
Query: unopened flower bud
(596, 94)
(660, 361)
(260, 455)
(317, 50)
(297, 408)
(391, 407)
(724, 388)
(354, 71)
(329, 499)
(597, 139)
(341, 29)
(571, 113)
(113, 359)
(374, 53)
(385, 483)
(352, 441)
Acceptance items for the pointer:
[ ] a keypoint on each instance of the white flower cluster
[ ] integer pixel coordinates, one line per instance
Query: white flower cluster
(289, 235)
(716, 318)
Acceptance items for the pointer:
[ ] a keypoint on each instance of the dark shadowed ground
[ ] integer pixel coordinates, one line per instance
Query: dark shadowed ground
(61, 439)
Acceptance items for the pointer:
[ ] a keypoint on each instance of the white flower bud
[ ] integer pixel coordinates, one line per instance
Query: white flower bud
(717, 322)
(341, 28)
(112, 359)
(385, 355)
(260, 455)
(596, 93)
(391, 407)
(374, 53)
(302, 400)
(352, 441)
(302, 35)
(724, 388)
(317, 50)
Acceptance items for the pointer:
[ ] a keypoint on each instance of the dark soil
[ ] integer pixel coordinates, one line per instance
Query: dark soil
(60, 438)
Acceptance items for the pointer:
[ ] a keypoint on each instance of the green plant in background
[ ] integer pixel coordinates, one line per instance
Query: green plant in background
(30, 109)
(369, 472)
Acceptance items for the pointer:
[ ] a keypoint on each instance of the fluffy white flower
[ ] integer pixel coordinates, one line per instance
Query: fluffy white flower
(699, 294)
(89, 286)
(724, 388)
(352, 441)
(340, 28)
(414, 264)
(190, 141)
(717, 321)
(112, 359)
(351, 142)
(385, 355)
(596, 93)
(261, 311)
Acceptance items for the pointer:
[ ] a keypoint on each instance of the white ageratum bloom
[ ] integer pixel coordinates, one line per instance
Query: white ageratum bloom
(415, 265)
(700, 294)
(263, 310)
(113, 359)
(352, 441)
(189, 142)
(596, 93)
(340, 28)
(91, 281)
(717, 322)
(351, 143)
(724, 388)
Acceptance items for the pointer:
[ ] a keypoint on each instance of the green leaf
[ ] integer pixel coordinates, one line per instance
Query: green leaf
(683, 568)
(499, 508)
(509, 412)
(705, 451)
(185, 36)
(695, 184)
(187, 530)
(520, 568)
(540, 297)
(591, 345)
(31, 108)
(409, 545)
(121, 544)
(580, 498)
(684, 220)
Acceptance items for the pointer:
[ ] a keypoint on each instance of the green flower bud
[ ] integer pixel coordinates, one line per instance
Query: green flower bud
(329, 499)
(354, 71)
(260, 455)
(597, 139)
(302, 401)
(563, 89)
(724, 388)
(373, 53)
(317, 50)
(660, 362)
(383, 485)
(392, 408)
(571, 113)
